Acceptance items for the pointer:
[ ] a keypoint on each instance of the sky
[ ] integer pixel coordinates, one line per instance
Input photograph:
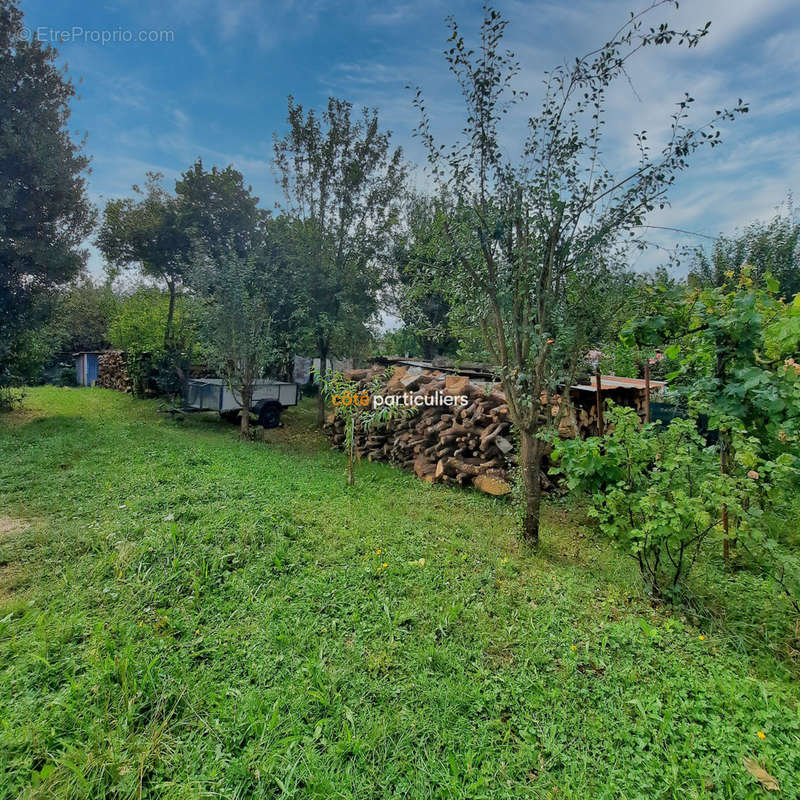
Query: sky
(176, 80)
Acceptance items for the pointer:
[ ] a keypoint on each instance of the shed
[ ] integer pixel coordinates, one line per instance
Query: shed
(86, 365)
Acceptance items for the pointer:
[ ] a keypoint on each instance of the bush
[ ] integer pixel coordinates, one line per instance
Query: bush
(10, 397)
(658, 492)
(655, 491)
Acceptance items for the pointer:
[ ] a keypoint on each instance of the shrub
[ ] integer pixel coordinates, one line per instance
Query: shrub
(655, 492)
(658, 492)
(10, 397)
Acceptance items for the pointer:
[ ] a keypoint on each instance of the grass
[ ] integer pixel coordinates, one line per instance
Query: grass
(186, 616)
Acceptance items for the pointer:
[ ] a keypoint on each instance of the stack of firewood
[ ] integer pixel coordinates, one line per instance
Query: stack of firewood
(454, 444)
(467, 445)
(112, 372)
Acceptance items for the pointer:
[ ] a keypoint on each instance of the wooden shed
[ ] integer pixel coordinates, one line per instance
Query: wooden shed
(86, 367)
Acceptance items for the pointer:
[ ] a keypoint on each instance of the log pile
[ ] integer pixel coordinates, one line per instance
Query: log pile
(444, 443)
(112, 371)
(469, 445)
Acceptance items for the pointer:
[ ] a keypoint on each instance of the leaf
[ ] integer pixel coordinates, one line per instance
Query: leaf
(761, 775)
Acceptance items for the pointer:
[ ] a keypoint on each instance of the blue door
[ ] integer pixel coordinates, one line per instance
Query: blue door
(91, 368)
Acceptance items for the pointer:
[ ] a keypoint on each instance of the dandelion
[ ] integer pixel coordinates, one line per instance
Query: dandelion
(378, 552)
(573, 648)
(761, 735)
(324, 629)
(701, 637)
(384, 565)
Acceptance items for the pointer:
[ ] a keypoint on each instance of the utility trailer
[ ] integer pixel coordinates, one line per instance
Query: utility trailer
(270, 398)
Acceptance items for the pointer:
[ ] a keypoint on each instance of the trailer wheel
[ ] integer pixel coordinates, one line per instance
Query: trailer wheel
(269, 415)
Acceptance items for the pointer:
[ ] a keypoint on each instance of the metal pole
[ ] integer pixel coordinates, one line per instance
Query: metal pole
(647, 390)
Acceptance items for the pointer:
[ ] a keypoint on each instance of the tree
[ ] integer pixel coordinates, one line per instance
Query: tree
(342, 182)
(217, 210)
(82, 314)
(765, 247)
(242, 295)
(734, 344)
(536, 235)
(147, 233)
(355, 407)
(416, 256)
(44, 212)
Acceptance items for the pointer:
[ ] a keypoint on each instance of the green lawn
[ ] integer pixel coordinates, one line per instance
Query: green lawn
(183, 615)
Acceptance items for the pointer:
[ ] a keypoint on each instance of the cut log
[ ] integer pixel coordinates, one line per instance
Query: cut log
(491, 485)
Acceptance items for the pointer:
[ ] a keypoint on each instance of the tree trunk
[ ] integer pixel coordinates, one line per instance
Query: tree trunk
(323, 369)
(530, 459)
(170, 315)
(244, 414)
(350, 475)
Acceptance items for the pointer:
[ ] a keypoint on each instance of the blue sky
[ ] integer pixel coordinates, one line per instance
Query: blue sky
(217, 86)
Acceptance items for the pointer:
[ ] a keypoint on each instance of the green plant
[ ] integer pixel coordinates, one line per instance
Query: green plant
(11, 397)
(655, 492)
(355, 406)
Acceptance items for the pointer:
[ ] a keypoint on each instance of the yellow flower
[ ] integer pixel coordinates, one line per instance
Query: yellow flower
(701, 637)
(378, 552)
(324, 629)
(573, 648)
(384, 565)
(761, 735)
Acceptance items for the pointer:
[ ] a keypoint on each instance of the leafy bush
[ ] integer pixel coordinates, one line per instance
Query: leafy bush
(658, 491)
(10, 397)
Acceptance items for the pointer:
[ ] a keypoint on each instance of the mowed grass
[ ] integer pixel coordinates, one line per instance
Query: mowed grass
(183, 615)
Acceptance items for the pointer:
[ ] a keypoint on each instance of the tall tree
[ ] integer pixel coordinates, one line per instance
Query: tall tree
(343, 182)
(535, 233)
(217, 209)
(416, 257)
(147, 233)
(765, 247)
(44, 212)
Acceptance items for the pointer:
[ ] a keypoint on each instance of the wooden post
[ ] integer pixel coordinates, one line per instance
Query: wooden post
(600, 425)
(647, 390)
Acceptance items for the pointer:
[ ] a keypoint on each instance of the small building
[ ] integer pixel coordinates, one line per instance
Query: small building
(86, 367)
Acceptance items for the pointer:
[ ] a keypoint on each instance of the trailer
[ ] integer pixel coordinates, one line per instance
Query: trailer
(270, 398)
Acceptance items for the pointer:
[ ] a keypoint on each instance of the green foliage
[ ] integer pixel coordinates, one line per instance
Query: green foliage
(420, 262)
(81, 316)
(355, 406)
(766, 248)
(734, 346)
(658, 492)
(342, 182)
(11, 397)
(217, 210)
(139, 321)
(44, 211)
(138, 328)
(147, 233)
